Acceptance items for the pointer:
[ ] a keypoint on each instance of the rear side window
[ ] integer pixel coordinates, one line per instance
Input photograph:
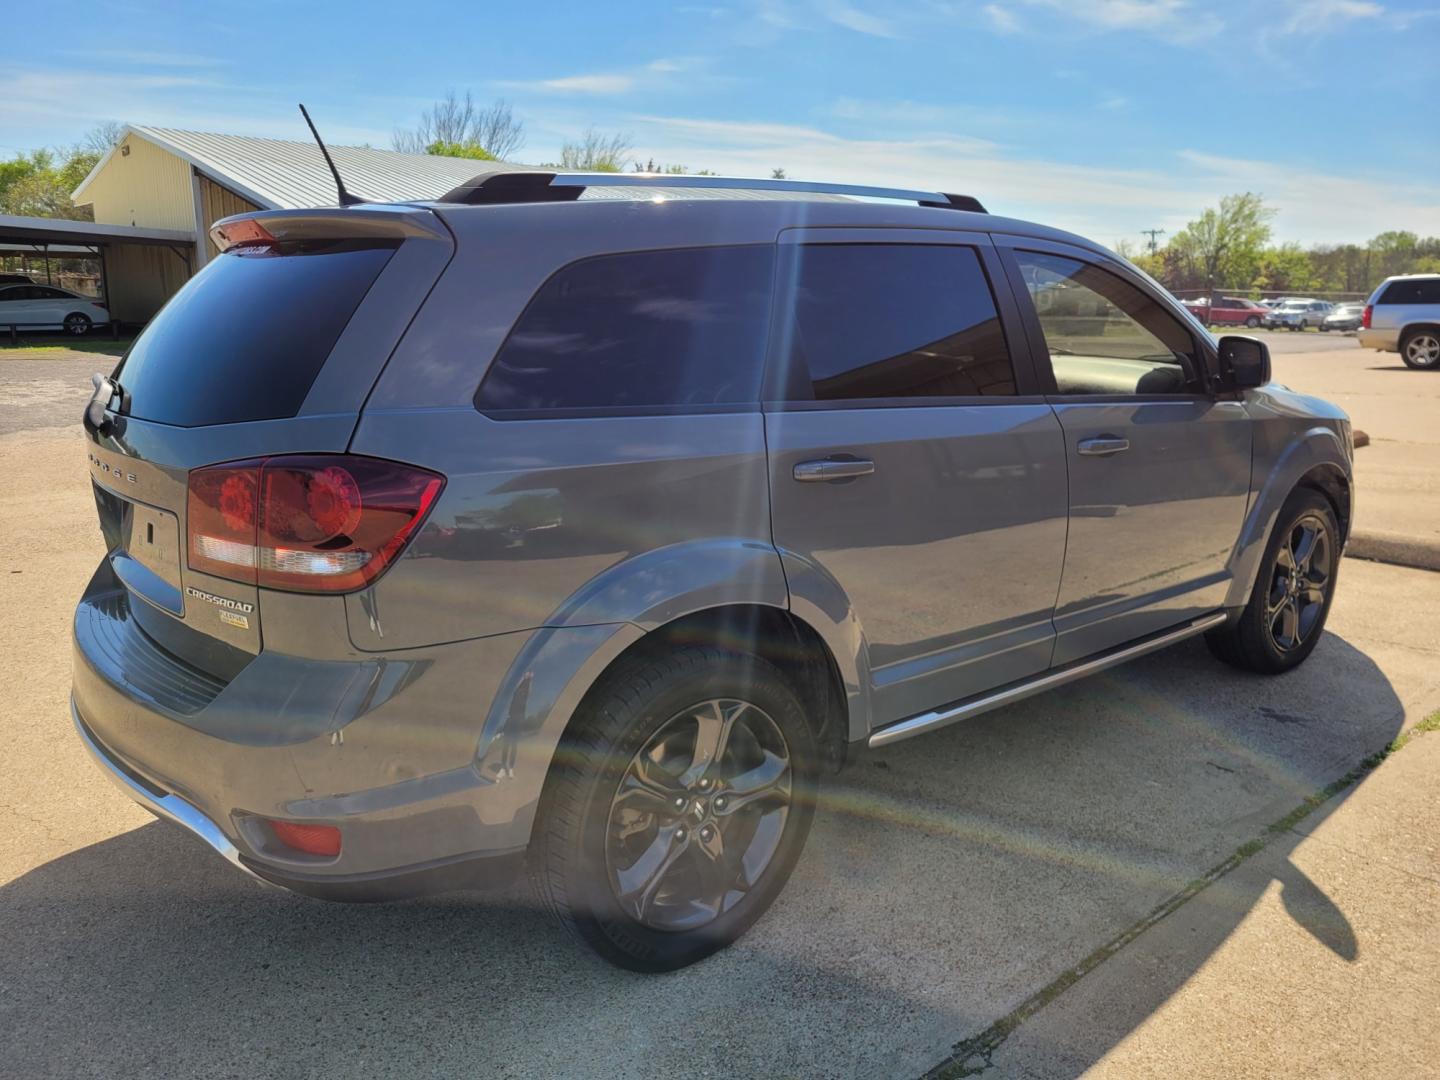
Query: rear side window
(891, 321)
(246, 337)
(1425, 291)
(641, 330)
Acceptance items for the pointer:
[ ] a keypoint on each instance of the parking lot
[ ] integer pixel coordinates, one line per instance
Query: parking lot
(951, 882)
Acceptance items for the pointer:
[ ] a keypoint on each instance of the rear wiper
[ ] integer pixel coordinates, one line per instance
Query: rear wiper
(106, 388)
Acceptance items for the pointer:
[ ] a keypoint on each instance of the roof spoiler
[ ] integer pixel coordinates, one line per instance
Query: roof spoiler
(377, 221)
(540, 185)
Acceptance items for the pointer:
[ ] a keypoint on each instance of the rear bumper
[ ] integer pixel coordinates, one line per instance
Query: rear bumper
(383, 748)
(479, 871)
(1383, 340)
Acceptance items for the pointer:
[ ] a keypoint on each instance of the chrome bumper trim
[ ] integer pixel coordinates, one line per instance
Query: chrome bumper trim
(170, 807)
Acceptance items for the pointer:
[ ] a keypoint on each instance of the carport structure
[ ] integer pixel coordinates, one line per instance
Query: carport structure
(156, 261)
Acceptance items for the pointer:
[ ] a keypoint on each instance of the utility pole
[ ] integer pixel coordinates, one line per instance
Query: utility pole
(1152, 234)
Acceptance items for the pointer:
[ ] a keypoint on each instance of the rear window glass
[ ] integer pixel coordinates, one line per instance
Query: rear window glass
(674, 329)
(246, 337)
(1424, 291)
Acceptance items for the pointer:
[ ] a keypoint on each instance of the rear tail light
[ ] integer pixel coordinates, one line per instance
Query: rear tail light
(305, 523)
(1365, 316)
(311, 839)
(247, 232)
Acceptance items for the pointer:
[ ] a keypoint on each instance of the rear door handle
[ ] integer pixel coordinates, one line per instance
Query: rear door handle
(829, 469)
(1103, 446)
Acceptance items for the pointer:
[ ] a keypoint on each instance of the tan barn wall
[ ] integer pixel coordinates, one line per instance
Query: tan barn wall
(218, 202)
(148, 187)
(142, 277)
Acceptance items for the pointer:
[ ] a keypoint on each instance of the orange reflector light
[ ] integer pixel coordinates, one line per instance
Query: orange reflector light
(311, 839)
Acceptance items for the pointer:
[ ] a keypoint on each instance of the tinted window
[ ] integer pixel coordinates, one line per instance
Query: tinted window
(638, 330)
(42, 293)
(1425, 291)
(247, 336)
(1104, 335)
(886, 321)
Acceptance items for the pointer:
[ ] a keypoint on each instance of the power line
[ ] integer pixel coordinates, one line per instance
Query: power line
(1153, 233)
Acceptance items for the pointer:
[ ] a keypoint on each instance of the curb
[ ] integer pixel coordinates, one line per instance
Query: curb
(1397, 549)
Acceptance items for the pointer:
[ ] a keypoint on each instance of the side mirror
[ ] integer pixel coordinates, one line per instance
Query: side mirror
(1244, 362)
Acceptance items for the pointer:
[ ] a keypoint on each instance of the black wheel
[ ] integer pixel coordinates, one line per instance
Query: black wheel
(1291, 600)
(77, 324)
(1253, 322)
(677, 808)
(1420, 349)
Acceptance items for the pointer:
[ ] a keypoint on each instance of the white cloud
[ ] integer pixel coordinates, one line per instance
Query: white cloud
(1152, 15)
(1002, 20)
(852, 18)
(1319, 16)
(1102, 203)
(604, 83)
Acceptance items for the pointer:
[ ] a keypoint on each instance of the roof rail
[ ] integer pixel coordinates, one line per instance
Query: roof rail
(538, 185)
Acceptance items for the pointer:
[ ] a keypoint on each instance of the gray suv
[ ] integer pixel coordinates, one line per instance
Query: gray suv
(584, 523)
(1403, 315)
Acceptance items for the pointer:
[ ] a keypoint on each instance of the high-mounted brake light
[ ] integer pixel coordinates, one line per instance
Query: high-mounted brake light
(305, 523)
(1365, 316)
(246, 232)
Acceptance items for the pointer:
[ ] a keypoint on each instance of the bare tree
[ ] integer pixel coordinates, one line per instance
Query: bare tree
(460, 121)
(596, 152)
(100, 138)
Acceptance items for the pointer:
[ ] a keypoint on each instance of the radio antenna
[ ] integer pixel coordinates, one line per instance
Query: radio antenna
(346, 199)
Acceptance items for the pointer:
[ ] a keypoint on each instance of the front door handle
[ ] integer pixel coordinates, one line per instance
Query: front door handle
(828, 470)
(1103, 446)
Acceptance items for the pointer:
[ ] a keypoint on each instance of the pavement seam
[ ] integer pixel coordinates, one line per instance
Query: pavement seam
(973, 1056)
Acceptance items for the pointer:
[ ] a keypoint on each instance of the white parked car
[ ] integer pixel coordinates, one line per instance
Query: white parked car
(44, 307)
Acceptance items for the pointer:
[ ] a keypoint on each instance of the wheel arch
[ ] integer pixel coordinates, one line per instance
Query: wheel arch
(1315, 459)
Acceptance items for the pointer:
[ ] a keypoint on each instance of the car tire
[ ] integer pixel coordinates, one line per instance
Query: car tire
(1286, 613)
(1252, 322)
(651, 884)
(1420, 349)
(77, 323)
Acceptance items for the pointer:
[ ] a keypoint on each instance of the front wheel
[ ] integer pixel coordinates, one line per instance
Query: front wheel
(677, 808)
(77, 324)
(1421, 349)
(1290, 602)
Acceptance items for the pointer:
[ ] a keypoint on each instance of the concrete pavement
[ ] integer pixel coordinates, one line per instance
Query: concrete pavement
(947, 881)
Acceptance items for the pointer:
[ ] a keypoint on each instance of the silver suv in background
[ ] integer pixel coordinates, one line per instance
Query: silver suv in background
(525, 529)
(1298, 314)
(1403, 315)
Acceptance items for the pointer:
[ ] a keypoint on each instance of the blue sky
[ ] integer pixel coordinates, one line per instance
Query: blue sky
(1103, 116)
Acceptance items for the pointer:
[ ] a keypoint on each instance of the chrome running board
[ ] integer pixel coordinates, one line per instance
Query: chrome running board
(939, 718)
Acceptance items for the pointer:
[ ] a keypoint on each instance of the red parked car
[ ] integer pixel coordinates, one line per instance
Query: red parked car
(1228, 311)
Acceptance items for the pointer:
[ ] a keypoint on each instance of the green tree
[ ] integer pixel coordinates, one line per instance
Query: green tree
(440, 148)
(1286, 268)
(1222, 247)
(38, 184)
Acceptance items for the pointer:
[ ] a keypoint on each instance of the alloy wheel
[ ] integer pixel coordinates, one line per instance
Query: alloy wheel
(1423, 350)
(698, 815)
(1299, 583)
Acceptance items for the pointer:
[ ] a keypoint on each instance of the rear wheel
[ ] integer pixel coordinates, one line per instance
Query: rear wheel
(1252, 322)
(1286, 615)
(1421, 349)
(677, 808)
(77, 324)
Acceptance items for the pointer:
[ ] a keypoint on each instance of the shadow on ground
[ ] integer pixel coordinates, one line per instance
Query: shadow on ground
(947, 880)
